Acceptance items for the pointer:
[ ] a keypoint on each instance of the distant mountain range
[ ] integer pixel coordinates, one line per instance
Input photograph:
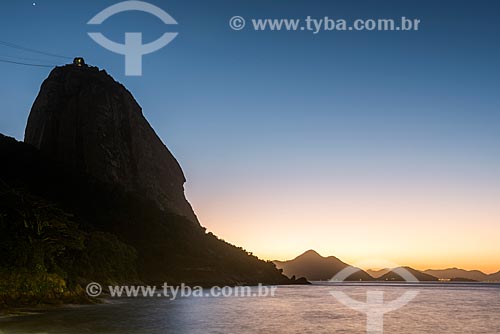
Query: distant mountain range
(315, 267)
(318, 268)
(392, 275)
(457, 274)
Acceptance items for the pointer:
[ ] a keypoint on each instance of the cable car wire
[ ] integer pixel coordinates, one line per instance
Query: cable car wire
(26, 64)
(15, 58)
(15, 46)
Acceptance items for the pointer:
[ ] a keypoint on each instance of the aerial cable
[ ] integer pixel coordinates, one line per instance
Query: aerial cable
(15, 58)
(25, 64)
(15, 46)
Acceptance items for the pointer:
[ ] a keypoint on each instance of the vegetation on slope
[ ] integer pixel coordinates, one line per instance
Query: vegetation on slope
(60, 230)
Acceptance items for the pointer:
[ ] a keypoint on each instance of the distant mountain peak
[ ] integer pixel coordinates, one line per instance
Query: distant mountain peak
(310, 253)
(315, 267)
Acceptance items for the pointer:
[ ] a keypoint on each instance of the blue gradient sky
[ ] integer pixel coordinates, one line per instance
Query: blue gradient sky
(355, 144)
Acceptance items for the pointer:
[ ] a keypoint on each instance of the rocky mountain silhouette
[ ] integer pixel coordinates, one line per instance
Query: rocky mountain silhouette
(315, 267)
(94, 195)
(86, 120)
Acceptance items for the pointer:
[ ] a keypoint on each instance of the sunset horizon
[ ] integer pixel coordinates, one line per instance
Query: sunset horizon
(249, 167)
(415, 265)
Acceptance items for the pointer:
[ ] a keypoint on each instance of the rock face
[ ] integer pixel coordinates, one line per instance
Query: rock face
(133, 238)
(85, 119)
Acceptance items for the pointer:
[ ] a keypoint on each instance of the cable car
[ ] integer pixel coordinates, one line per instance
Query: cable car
(79, 61)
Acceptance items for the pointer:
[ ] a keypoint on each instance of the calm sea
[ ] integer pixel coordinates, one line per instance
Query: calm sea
(438, 308)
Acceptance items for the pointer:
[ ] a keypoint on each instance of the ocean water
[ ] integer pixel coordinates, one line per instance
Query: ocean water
(438, 308)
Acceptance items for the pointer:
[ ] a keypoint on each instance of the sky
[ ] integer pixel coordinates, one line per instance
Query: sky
(358, 144)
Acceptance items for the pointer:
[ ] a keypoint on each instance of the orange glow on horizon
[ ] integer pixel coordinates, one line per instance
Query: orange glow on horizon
(443, 228)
